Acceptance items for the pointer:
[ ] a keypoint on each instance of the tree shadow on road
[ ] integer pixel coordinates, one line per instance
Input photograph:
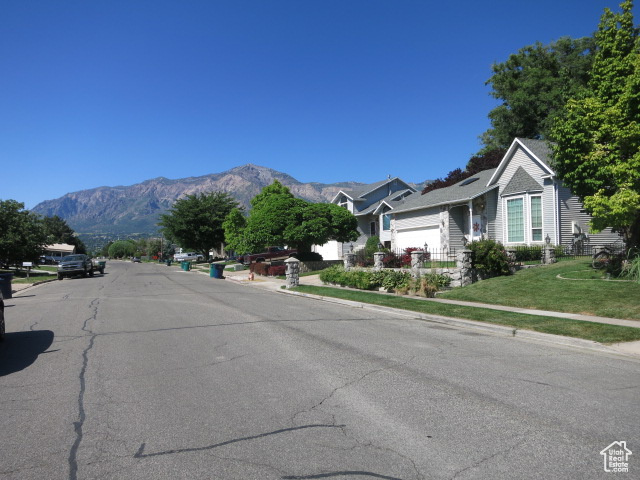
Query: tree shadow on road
(19, 350)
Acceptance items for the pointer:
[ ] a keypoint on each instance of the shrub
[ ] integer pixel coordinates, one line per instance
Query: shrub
(276, 270)
(391, 260)
(631, 267)
(489, 258)
(395, 280)
(528, 254)
(439, 280)
(308, 257)
(265, 269)
(259, 268)
(371, 246)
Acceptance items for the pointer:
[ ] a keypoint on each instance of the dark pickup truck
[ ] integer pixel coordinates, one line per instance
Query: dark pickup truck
(272, 253)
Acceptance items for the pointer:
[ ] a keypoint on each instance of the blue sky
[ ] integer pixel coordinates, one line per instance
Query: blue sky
(116, 92)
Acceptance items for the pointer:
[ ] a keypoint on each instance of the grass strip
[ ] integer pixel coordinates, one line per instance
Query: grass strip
(598, 332)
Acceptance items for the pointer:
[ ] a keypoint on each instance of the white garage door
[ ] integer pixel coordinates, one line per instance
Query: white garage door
(416, 237)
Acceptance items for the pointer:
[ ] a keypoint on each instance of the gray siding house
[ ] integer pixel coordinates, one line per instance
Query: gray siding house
(520, 202)
(371, 204)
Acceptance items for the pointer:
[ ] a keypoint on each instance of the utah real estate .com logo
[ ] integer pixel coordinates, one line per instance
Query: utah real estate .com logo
(616, 457)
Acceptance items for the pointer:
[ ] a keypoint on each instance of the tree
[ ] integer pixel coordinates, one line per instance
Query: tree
(58, 231)
(195, 222)
(278, 218)
(597, 140)
(534, 86)
(122, 249)
(234, 225)
(22, 235)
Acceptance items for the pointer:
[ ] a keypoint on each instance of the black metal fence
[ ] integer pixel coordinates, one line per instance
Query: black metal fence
(401, 258)
(528, 255)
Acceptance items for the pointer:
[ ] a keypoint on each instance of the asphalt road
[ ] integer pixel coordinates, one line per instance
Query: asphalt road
(149, 372)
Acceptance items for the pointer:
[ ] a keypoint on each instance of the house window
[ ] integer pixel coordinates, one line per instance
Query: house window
(536, 219)
(515, 220)
(386, 222)
(372, 228)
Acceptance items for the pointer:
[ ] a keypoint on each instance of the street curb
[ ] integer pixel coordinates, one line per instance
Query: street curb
(486, 327)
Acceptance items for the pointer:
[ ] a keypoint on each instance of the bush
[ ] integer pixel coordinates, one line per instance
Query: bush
(266, 269)
(277, 270)
(489, 258)
(390, 280)
(308, 257)
(528, 254)
(371, 246)
(391, 260)
(631, 267)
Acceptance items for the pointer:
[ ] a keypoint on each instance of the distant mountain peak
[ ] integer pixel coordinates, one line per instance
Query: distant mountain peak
(136, 208)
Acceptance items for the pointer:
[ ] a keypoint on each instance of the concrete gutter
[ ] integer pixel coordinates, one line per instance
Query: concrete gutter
(628, 348)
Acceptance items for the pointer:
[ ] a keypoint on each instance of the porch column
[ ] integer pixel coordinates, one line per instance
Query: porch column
(470, 232)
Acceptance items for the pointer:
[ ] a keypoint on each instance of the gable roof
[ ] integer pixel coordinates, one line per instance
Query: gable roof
(538, 150)
(359, 194)
(460, 192)
(521, 182)
(388, 201)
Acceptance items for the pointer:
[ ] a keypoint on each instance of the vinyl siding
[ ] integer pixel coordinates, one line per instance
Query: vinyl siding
(571, 209)
(493, 225)
(457, 226)
(548, 209)
(418, 218)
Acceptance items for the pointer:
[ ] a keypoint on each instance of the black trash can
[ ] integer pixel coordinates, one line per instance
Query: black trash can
(5, 284)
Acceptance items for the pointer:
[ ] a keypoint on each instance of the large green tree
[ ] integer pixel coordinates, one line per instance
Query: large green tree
(58, 231)
(278, 218)
(122, 249)
(533, 86)
(597, 140)
(22, 235)
(233, 226)
(195, 222)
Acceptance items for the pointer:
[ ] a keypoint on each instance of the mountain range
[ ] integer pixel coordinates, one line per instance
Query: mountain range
(135, 209)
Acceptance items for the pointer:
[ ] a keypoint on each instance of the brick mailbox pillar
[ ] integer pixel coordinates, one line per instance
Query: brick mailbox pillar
(349, 261)
(416, 261)
(377, 261)
(549, 255)
(463, 260)
(293, 272)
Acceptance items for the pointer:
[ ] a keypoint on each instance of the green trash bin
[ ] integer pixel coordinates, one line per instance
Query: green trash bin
(216, 270)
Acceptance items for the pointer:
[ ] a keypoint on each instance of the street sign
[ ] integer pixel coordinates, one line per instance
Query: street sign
(27, 264)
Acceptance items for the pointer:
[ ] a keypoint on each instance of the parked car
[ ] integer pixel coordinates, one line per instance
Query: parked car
(48, 260)
(136, 260)
(71, 265)
(1, 317)
(272, 253)
(188, 257)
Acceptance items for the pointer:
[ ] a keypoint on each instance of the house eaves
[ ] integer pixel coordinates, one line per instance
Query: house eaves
(461, 192)
(341, 192)
(459, 201)
(534, 148)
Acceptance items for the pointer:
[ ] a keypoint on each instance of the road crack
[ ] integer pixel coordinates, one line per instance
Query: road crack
(78, 425)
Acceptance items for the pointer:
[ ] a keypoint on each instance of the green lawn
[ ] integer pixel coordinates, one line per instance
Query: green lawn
(34, 276)
(598, 332)
(570, 286)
